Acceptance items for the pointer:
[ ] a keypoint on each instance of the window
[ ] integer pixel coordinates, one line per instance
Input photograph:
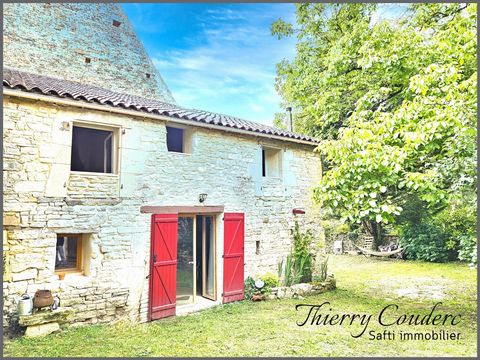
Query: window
(179, 140)
(68, 254)
(271, 162)
(93, 150)
(174, 139)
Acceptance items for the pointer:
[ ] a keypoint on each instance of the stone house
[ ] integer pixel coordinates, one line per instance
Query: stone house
(116, 198)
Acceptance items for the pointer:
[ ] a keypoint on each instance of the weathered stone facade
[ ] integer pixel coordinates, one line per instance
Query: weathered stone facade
(56, 40)
(42, 198)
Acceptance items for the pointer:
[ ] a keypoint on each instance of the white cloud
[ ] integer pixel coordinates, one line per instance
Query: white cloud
(232, 67)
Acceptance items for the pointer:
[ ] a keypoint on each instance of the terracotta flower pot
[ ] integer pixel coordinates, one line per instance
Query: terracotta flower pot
(61, 276)
(42, 298)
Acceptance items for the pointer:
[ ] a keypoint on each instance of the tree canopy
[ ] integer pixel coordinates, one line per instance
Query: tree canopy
(393, 104)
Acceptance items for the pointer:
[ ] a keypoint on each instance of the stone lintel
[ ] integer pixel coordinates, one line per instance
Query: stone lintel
(182, 209)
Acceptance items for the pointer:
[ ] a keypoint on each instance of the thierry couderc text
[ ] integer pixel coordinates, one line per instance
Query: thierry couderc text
(390, 315)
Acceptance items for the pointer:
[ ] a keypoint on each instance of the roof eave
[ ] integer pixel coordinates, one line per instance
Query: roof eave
(116, 110)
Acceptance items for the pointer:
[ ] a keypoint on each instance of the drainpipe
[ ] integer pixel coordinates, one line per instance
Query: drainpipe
(289, 119)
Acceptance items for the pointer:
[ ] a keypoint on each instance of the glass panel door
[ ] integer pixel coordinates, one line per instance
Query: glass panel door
(208, 263)
(185, 261)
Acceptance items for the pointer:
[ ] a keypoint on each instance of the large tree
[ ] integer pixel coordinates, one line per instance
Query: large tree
(393, 103)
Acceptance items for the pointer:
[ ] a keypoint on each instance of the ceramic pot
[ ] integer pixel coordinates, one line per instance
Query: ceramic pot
(42, 298)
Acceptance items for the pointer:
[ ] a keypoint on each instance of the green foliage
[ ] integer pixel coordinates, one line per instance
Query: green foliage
(394, 105)
(467, 249)
(270, 280)
(297, 266)
(425, 242)
(323, 271)
(250, 288)
(458, 223)
(301, 241)
(286, 270)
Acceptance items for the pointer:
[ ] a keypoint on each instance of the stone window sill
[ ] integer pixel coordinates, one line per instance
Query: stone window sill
(87, 173)
(69, 273)
(175, 153)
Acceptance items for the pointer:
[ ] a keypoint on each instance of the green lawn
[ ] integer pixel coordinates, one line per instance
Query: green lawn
(269, 328)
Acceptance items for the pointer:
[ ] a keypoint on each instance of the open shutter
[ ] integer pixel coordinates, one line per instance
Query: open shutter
(233, 257)
(163, 265)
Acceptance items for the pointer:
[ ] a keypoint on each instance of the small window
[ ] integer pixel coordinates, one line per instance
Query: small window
(88, 60)
(174, 139)
(116, 23)
(271, 162)
(93, 150)
(179, 140)
(68, 254)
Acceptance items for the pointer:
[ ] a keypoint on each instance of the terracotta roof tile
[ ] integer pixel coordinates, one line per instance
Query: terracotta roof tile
(16, 79)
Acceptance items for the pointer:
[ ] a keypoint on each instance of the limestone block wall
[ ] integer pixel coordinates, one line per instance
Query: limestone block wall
(43, 198)
(56, 39)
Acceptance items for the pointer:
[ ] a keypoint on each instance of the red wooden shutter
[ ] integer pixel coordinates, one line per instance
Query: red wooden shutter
(233, 257)
(163, 265)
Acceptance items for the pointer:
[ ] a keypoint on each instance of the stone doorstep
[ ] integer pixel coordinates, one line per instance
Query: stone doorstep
(42, 317)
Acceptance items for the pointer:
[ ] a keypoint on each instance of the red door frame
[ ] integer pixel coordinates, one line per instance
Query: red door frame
(168, 310)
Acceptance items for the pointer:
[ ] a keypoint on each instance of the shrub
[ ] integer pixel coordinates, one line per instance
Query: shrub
(425, 242)
(467, 249)
(270, 280)
(458, 221)
(250, 288)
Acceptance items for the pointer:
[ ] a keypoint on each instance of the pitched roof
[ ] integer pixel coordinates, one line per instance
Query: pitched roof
(15, 79)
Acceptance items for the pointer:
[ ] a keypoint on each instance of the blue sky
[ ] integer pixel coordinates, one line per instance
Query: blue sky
(218, 57)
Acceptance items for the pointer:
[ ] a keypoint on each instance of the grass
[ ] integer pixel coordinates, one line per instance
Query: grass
(364, 286)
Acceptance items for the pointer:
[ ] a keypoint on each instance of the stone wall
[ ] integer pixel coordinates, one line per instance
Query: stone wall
(55, 39)
(43, 198)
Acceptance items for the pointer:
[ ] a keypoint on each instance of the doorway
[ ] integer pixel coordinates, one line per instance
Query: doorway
(198, 259)
(196, 265)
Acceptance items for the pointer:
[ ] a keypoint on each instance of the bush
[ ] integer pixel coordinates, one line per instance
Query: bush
(250, 288)
(425, 242)
(270, 280)
(458, 221)
(467, 249)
